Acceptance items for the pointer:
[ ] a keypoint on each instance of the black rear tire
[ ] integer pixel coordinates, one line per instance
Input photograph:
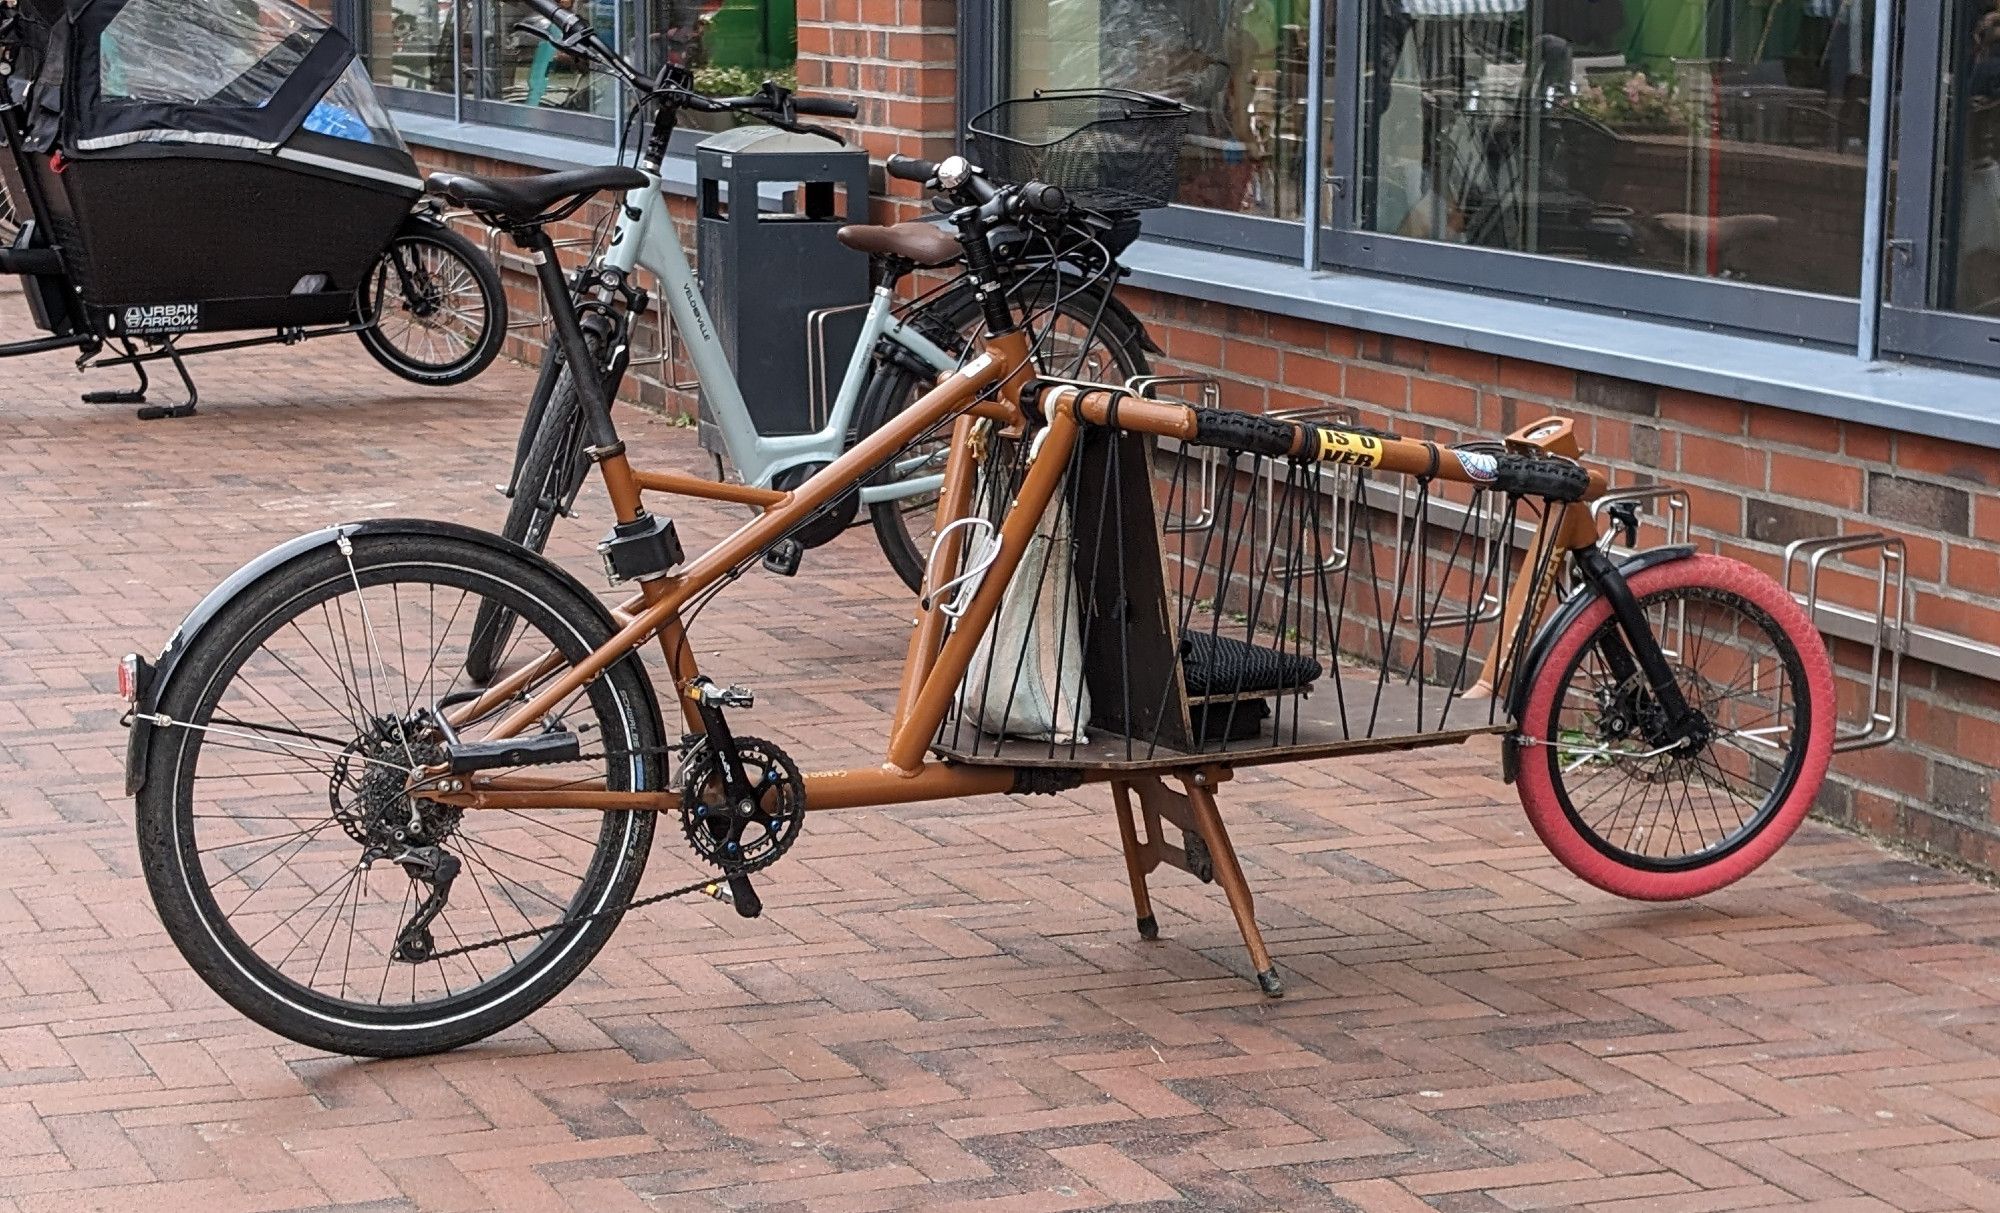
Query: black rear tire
(256, 775)
(437, 310)
(903, 526)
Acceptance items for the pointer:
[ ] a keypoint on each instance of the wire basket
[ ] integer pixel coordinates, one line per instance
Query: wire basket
(1108, 149)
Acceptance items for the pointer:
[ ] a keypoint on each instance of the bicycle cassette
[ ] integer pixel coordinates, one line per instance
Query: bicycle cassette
(752, 833)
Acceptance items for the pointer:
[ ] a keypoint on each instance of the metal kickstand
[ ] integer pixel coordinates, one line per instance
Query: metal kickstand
(137, 361)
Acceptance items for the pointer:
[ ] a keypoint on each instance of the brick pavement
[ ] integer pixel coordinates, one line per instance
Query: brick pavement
(946, 1005)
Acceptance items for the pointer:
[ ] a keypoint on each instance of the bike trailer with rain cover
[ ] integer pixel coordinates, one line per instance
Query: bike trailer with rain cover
(211, 164)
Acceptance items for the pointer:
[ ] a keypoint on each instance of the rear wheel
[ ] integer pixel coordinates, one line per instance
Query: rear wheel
(437, 311)
(290, 860)
(1076, 338)
(1656, 823)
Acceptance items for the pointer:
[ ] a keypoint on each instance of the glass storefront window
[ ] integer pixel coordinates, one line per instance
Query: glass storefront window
(733, 46)
(1721, 140)
(409, 43)
(518, 67)
(1240, 63)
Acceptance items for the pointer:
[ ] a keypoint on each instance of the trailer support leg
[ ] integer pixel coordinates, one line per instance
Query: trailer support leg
(137, 361)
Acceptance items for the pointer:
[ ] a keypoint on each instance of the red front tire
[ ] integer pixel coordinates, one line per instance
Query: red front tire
(1541, 783)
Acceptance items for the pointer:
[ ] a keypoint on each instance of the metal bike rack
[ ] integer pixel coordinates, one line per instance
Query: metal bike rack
(667, 336)
(1485, 523)
(1147, 387)
(1676, 519)
(663, 326)
(819, 386)
(504, 258)
(1338, 478)
(1890, 631)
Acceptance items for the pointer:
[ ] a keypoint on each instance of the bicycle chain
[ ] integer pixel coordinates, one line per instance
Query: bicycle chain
(535, 932)
(699, 886)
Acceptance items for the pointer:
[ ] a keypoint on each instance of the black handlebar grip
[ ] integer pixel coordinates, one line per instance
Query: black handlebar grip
(1245, 432)
(824, 107)
(909, 168)
(1540, 476)
(1042, 198)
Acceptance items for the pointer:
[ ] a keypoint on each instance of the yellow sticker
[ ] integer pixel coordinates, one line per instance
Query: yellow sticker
(1358, 450)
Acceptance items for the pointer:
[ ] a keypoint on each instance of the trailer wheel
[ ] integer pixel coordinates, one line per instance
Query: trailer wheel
(435, 308)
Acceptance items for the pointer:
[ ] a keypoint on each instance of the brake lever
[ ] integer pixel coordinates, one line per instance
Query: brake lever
(810, 128)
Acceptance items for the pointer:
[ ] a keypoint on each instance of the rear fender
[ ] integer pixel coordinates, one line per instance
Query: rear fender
(160, 679)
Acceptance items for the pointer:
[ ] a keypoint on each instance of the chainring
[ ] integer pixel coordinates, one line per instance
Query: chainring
(746, 838)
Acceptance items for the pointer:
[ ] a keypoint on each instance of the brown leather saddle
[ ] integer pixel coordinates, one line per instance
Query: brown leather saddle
(924, 245)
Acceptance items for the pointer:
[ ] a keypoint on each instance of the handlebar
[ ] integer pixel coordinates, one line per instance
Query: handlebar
(773, 104)
(567, 20)
(1028, 198)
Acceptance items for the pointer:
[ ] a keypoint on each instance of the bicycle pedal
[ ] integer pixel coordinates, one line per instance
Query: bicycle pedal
(745, 898)
(118, 396)
(785, 557)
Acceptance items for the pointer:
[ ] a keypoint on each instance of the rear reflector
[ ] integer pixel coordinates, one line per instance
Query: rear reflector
(128, 677)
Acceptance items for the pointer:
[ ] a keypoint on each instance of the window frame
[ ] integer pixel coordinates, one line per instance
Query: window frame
(1913, 324)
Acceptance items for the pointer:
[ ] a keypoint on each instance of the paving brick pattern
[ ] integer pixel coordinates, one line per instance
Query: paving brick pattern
(946, 1005)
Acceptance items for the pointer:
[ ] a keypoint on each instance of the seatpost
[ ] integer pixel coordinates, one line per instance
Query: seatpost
(585, 371)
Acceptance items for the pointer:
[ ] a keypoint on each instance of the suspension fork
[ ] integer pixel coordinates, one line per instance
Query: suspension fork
(1634, 651)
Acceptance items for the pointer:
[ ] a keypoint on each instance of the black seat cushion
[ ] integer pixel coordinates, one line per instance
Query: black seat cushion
(521, 198)
(1224, 665)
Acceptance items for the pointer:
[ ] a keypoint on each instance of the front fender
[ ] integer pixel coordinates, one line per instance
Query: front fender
(138, 743)
(1559, 622)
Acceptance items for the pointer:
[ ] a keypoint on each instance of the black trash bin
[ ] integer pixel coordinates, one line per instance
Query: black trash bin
(769, 205)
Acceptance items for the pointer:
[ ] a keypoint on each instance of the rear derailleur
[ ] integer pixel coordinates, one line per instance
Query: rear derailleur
(742, 798)
(434, 868)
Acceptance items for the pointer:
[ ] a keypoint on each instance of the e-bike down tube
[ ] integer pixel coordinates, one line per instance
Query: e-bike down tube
(645, 237)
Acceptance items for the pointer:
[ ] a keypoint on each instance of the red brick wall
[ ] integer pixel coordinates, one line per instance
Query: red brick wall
(1757, 478)
(898, 58)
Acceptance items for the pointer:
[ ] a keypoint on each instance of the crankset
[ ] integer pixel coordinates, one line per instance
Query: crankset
(742, 798)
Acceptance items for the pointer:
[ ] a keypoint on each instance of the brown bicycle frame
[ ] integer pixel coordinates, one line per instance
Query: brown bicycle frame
(989, 387)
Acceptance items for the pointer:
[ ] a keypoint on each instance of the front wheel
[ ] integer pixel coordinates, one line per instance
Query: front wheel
(434, 307)
(290, 850)
(1660, 823)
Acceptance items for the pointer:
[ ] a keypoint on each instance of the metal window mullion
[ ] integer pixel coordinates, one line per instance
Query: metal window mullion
(1315, 126)
(458, 15)
(1920, 141)
(1347, 100)
(1868, 337)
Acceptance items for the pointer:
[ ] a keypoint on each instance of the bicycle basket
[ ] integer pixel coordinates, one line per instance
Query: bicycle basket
(1108, 149)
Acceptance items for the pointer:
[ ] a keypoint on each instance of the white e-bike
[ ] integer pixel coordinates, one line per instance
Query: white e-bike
(1053, 266)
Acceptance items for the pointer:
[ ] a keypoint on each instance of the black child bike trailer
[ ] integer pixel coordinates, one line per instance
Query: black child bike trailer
(205, 166)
